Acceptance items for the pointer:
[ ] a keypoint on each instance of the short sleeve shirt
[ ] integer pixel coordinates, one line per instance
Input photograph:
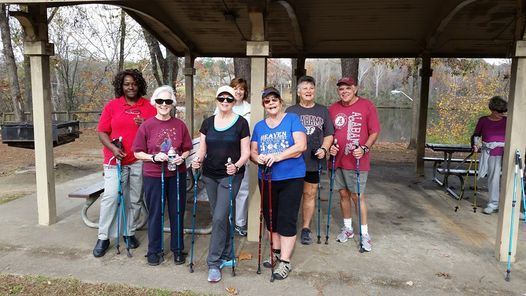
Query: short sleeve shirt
(276, 140)
(117, 121)
(156, 136)
(318, 125)
(222, 144)
(352, 126)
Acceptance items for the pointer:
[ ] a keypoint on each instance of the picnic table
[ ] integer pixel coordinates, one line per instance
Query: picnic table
(448, 150)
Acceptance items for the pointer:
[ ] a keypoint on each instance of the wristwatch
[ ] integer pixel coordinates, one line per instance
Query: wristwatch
(153, 158)
(365, 148)
(237, 168)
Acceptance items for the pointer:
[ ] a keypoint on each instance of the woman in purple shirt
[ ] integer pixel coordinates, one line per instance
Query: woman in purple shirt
(489, 137)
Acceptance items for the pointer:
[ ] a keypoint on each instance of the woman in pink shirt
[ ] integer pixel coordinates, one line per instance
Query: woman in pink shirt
(489, 137)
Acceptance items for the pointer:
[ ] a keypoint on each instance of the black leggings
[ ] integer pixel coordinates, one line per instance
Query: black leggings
(286, 199)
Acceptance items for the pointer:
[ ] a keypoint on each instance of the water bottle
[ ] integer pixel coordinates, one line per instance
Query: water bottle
(171, 159)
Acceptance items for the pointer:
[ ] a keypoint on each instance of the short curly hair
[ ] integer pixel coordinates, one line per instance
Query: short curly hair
(498, 104)
(137, 76)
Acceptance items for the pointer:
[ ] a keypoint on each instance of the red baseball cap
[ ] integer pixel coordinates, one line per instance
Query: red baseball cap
(346, 80)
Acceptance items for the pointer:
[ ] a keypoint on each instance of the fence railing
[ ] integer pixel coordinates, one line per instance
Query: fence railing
(84, 117)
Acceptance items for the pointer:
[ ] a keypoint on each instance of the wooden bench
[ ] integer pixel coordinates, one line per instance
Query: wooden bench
(460, 173)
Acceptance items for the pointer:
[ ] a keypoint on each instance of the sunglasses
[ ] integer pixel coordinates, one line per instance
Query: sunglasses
(161, 101)
(228, 99)
(273, 100)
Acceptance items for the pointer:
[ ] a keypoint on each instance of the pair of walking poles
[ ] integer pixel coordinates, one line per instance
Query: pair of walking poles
(197, 174)
(121, 211)
(331, 187)
(518, 173)
(474, 159)
(163, 206)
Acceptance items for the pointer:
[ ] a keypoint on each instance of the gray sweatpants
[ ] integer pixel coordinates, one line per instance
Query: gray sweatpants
(494, 168)
(219, 197)
(132, 190)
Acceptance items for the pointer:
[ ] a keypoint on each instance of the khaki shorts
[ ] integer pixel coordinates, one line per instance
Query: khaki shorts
(346, 179)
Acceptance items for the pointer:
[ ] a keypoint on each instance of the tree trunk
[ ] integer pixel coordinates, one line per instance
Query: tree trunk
(242, 68)
(172, 68)
(16, 96)
(27, 83)
(122, 39)
(416, 103)
(350, 68)
(152, 44)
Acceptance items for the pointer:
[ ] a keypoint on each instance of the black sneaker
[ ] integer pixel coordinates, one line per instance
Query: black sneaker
(101, 247)
(305, 236)
(154, 259)
(241, 231)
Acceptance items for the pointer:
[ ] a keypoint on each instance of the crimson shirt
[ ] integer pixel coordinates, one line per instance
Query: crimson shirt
(117, 121)
(352, 126)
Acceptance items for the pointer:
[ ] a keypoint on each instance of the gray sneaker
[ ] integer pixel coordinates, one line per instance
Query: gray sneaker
(345, 235)
(305, 236)
(214, 275)
(282, 272)
(366, 242)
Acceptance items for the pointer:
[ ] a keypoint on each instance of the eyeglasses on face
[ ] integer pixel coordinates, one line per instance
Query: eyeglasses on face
(161, 101)
(229, 99)
(272, 99)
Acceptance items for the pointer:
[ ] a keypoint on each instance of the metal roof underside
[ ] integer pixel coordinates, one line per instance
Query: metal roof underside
(331, 28)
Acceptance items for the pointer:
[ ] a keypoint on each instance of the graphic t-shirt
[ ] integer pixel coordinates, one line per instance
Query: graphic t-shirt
(156, 136)
(276, 140)
(117, 119)
(352, 126)
(318, 125)
(222, 144)
(492, 131)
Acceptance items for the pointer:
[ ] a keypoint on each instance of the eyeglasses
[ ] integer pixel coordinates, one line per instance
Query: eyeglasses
(273, 100)
(229, 99)
(161, 101)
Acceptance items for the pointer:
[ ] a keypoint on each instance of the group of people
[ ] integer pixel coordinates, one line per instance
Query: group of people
(291, 145)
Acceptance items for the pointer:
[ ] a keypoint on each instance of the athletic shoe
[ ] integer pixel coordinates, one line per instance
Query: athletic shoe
(267, 264)
(305, 236)
(345, 235)
(489, 210)
(226, 263)
(282, 272)
(241, 231)
(366, 242)
(154, 259)
(214, 275)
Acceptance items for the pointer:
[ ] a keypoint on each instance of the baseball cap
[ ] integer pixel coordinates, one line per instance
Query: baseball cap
(306, 78)
(270, 90)
(346, 80)
(225, 89)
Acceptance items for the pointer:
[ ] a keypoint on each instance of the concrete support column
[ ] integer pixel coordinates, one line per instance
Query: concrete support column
(189, 72)
(515, 139)
(298, 70)
(38, 49)
(259, 51)
(425, 73)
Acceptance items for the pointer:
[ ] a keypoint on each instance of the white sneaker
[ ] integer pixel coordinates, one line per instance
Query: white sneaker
(366, 242)
(345, 235)
(489, 211)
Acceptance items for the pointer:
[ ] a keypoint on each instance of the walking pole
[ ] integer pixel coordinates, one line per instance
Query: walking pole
(514, 200)
(263, 172)
(269, 180)
(359, 205)
(231, 220)
(194, 209)
(318, 230)
(179, 228)
(121, 213)
(331, 187)
(475, 157)
(522, 186)
(162, 210)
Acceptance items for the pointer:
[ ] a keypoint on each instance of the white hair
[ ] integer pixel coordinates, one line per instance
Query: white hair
(161, 89)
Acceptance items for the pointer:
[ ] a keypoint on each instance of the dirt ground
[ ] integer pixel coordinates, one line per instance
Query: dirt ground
(84, 156)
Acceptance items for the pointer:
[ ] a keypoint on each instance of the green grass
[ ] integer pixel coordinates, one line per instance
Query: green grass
(40, 285)
(10, 197)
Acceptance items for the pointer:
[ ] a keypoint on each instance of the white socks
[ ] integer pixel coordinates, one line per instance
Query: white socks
(365, 229)
(347, 223)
